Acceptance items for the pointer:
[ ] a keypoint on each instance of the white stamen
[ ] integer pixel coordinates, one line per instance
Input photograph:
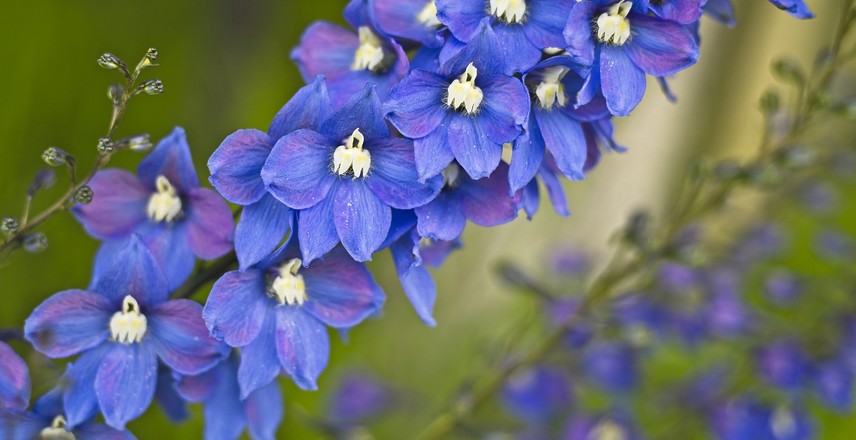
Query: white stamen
(512, 11)
(352, 157)
(128, 325)
(613, 27)
(451, 175)
(463, 93)
(57, 430)
(428, 15)
(288, 287)
(369, 55)
(607, 430)
(782, 423)
(551, 91)
(164, 205)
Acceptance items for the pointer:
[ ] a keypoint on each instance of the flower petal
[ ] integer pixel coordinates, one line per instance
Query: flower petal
(473, 149)
(262, 227)
(325, 49)
(264, 410)
(94, 431)
(681, 11)
(580, 45)
(298, 170)
(316, 229)
(69, 323)
(443, 218)
(400, 19)
(661, 47)
(432, 152)
(526, 157)
(181, 339)
(118, 205)
(461, 16)
(236, 166)
(362, 220)
(131, 270)
(622, 83)
(505, 108)
(171, 402)
(394, 177)
(236, 307)
(486, 202)
(259, 362)
(415, 106)
(363, 110)
(14, 380)
(564, 138)
(211, 225)
(482, 49)
(546, 22)
(125, 383)
(520, 53)
(308, 108)
(171, 159)
(170, 247)
(223, 410)
(19, 425)
(414, 277)
(302, 345)
(79, 399)
(341, 292)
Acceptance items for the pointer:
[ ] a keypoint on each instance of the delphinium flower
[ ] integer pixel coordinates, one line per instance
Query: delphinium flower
(121, 328)
(721, 11)
(611, 425)
(414, 20)
(226, 414)
(236, 169)
(538, 395)
(682, 11)
(796, 8)
(485, 202)
(346, 178)
(14, 379)
(176, 218)
(548, 176)
(350, 59)
(358, 398)
(744, 418)
(524, 28)
(620, 43)
(404, 244)
(464, 112)
(612, 366)
(277, 312)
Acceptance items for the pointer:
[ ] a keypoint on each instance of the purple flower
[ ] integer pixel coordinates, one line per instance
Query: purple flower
(613, 425)
(783, 287)
(538, 395)
(415, 279)
(547, 175)
(121, 328)
(621, 44)
(14, 380)
(524, 28)
(349, 60)
(276, 313)
(681, 11)
(164, 204)
(833, 383)
(345, 179)
(612, 366)
(484, 202)
(783, 364)
(236, 169)
(740, 419)
(226, 414)
(358, 398)
(414, 20)
(465, 112)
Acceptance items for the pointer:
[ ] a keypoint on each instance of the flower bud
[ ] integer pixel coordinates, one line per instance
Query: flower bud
(795, 156)
(789, 70)
(56, 157)
(8, 225)
(105, 146)
(83, 195)
(44, 179)
(770, 102)
(138, 143)
(151, 87)
(149, 60)
(110, 61)
(35, 243)
(115, 93)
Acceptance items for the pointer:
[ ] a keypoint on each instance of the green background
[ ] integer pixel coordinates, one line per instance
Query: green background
(225, 66)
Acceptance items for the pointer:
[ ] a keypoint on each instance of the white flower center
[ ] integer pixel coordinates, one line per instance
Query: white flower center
(164, 205)
(782, 422)
(288, 287)
(451, 175)
(128, 325)
(551, 91)
(428, 15)
(607, 430)
(613, 27)
(370, 54)
(57, 430)
(463, 93)
(351, 157)
(512, 11)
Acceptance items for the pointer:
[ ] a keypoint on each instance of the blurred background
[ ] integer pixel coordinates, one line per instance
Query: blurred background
(225, 66)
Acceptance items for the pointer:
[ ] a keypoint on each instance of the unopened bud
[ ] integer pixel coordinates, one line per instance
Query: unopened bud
(34, 243)
(152, 54)
(770, 102)
(149, 60)
(44, 179)
(637, 231)
(83, 195)
(56, 157)
(139, 143)
(110, 61)
(115, 93)
(789, 70)
(151, 87)
(8, 225)
(105, 146)
(796, 156)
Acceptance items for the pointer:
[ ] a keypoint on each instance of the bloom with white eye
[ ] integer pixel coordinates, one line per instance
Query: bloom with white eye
(57, 430)
(288, 287)
(613, 27)
(165, 204)
(351, 157)
(128, 325)
(511, 11)
(550, 91)
(463, 94)
(370, 53)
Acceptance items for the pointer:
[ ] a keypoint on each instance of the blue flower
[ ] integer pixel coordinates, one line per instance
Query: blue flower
(276, 313)
(236, 169)
(797, 8)
(358, 398)
(164, 204)
(722, 11)
(612, 366)
(349, 60)
(345, 179)
(621, 43)
(465, 112)
(121, 328)
(538, 394)
(485, 202)
(681, 11)
(404, 243)
(615, 424)
(523, 27)
(226, 414)
(783, 364)
(14, 380)
(833, 383)
(414, 20)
